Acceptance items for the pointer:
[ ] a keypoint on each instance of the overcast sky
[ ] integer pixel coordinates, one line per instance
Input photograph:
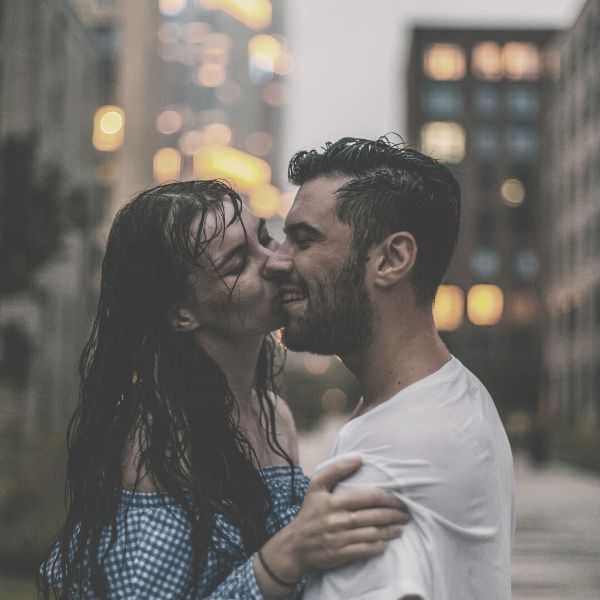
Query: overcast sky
(351, 57)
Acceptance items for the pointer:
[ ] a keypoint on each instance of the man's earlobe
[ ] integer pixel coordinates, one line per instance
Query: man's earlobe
(182, 319)
(396, 257)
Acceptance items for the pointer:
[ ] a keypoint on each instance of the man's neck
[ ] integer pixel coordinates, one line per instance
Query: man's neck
(397, 356)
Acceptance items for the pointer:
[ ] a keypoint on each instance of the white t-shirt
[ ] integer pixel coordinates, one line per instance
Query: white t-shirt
(440, 446)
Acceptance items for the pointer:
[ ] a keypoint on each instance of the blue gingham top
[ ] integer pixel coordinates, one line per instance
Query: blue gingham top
(152, 555)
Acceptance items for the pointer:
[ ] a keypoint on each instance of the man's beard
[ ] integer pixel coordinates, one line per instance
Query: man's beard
(338, 318)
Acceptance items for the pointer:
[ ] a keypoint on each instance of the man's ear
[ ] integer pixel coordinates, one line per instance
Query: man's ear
(182, 319)
(394, 258)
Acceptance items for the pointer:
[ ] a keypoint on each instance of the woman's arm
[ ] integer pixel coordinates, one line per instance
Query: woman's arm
(329, 531)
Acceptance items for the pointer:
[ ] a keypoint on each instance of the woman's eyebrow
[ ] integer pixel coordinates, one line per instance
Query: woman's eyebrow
(241, 248)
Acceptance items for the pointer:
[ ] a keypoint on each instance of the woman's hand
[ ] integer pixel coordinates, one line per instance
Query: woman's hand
(332, 530)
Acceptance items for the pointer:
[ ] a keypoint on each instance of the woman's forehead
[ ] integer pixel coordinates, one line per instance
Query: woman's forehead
(226, 230)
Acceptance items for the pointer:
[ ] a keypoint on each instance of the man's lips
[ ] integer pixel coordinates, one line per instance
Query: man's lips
(289, 295)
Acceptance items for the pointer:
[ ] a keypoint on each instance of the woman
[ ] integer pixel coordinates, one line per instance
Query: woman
(181, 475)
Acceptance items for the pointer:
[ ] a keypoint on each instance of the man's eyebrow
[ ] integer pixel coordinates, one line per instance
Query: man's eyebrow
(302, 227)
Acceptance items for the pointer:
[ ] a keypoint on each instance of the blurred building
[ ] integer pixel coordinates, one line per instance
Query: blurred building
(51, 83)
(572, 197)
(476, 100)
(201, 84)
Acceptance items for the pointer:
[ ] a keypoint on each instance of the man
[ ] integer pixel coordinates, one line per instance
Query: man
(369, 239)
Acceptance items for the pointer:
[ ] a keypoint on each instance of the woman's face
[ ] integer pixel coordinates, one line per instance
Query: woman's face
(231, 295)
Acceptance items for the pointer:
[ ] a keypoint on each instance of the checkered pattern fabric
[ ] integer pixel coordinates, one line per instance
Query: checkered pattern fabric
(152, 555)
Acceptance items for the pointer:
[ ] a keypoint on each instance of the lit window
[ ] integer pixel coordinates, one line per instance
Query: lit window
(512, 192)
(486, 144)
(444, 62)
(486, 61)
(486, 100)
(521, 143)
(167, 165)
(443, 140)
(484, 262)
(523, 307)
(521, 60)
(255, 14)
(485, 304)
(449, 307)
(526, 263)
(109, 128)
(443, 100)
(522, 101)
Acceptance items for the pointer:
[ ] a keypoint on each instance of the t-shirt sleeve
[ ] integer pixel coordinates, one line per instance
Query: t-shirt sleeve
(403, 570)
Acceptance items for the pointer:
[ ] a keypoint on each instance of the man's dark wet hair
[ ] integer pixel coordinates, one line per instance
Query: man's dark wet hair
(392, 188)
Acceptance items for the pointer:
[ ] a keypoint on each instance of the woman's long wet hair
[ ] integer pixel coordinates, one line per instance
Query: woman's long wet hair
(142, 382)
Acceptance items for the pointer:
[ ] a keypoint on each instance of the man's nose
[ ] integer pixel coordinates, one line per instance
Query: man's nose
(279, 264)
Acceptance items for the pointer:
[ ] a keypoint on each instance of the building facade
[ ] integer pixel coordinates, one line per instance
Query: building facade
(50, 86)
(476, 102)
(201, 84)
(572, 197)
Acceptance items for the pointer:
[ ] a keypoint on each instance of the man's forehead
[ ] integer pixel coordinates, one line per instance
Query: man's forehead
(316, 200)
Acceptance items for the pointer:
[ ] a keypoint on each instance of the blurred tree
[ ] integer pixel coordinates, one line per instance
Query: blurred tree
(36, 210)
(29, 213)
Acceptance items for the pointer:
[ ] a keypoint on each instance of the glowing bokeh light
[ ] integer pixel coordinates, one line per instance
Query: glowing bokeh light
(334, 401)
(191, 141)
(245, 170)
(486, 61)
(449, 308)
(444, 62)
(229, 92)
(512, 192)
(171, 8)
(211, 75)
(259, 143)
(255, 14)
(521, 60)
(264, 200)
(217, 134)
(169, 121)
(485, 304)
(166, 165)
(109, 128)
(443, 140)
